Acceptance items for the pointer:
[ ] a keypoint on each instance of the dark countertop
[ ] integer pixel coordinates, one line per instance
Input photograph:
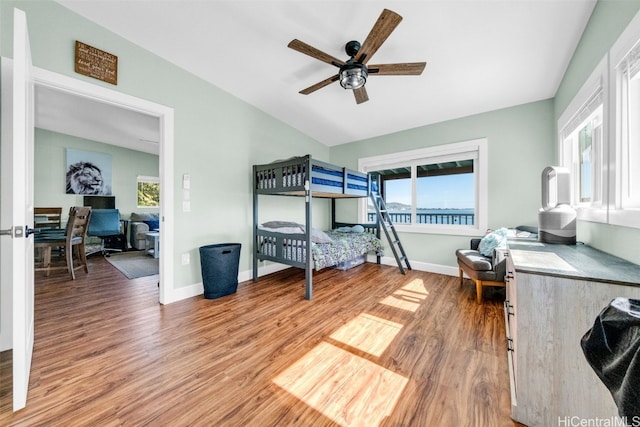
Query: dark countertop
(572, 261)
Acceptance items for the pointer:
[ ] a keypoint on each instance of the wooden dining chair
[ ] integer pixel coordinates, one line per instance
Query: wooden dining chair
(73, 241)
(45, 218)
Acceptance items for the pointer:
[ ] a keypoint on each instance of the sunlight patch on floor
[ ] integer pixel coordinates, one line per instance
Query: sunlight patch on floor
(348, 389)
(368, 333)
(409, 297)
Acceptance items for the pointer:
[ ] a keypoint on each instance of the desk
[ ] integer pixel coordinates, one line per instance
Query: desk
(153, 243)
(554, 294)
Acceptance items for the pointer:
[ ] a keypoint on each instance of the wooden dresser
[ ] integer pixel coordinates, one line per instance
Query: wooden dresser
(554, 294)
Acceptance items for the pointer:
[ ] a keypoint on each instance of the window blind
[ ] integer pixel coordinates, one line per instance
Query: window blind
(592, 104)
(630, 65)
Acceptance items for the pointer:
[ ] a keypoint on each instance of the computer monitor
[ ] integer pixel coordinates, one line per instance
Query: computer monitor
(100, 202)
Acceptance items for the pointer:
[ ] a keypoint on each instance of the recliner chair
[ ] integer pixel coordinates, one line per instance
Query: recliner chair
(489, 270)
(483, 270)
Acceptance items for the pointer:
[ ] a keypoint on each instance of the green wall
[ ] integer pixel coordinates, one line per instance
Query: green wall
(218, 137)
(608, 21)
(520, 145)
(522, 142)
(50, 169)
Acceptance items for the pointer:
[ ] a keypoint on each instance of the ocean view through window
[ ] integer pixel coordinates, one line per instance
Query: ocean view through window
(444, 194)
(437, 189)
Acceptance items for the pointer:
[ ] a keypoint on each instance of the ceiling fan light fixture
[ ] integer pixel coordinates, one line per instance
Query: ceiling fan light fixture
(353, 72)
(353, 75)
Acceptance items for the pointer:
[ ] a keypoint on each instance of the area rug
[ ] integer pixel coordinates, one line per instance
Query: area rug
(134, 264)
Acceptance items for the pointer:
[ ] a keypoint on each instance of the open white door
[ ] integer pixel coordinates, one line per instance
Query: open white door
(16, 216)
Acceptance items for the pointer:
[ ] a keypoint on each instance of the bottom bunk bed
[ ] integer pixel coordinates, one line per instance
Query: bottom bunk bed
(345, 246)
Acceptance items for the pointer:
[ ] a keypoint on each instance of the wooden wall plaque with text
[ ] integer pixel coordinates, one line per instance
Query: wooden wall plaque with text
(96, 63)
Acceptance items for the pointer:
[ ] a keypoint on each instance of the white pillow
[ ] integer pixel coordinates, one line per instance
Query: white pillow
(319, 236)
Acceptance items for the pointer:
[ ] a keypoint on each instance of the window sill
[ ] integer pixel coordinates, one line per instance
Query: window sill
(620, 217)
(592, 214)
(625, 217)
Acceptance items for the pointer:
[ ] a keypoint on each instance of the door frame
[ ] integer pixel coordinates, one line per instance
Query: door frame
(80, 88)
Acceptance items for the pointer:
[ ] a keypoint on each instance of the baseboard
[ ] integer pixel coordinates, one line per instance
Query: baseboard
(418, 265)
(243, 276)
(187, 292)
(197, 289)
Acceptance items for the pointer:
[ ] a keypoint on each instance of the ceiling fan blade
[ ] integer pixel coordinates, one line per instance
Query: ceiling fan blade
(384, 26)
(361, 95)
(302, 47)
(405, 69)
(319, 85)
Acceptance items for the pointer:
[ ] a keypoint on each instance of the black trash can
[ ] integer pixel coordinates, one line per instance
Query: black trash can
(219, 263)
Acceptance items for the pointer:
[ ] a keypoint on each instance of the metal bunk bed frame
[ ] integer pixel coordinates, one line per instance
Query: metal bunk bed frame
(305, 177)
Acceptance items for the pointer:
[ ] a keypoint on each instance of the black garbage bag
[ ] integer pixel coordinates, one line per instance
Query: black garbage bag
(612, 348)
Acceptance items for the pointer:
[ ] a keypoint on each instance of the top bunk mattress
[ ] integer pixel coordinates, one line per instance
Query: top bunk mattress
(288, 177)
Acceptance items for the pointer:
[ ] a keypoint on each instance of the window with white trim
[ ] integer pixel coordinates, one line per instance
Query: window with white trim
(148, 191)
(583, 145)
(628, 101)
(624, 155)
(583, 153)
(440, 189)
(599, 136)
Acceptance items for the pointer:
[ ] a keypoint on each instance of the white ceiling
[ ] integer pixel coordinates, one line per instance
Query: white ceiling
(481, 55)
(96, 121)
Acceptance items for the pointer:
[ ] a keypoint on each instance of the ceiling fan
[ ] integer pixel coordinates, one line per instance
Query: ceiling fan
(354, 71)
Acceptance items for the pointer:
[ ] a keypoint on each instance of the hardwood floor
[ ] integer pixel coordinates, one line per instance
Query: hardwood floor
(374, 347)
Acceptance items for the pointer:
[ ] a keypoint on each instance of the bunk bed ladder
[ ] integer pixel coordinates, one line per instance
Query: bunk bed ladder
(384, 219)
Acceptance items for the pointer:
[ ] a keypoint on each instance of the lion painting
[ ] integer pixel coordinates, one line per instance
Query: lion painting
(86, 178)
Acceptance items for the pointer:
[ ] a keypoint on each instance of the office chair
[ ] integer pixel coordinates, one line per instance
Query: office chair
(105, 224)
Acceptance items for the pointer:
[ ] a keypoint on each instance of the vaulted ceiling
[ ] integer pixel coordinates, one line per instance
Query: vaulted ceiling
(481, 55)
